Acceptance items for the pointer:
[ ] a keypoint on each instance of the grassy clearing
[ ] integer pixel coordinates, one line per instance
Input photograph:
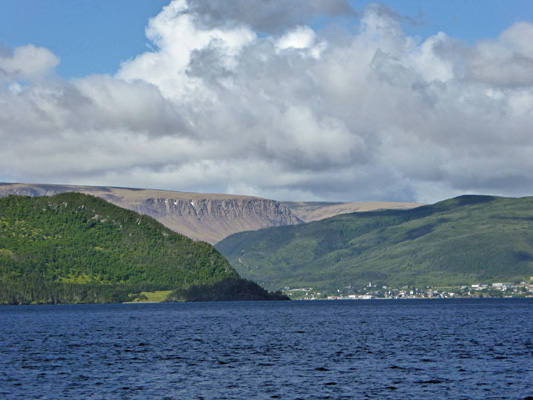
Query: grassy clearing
(153, 297)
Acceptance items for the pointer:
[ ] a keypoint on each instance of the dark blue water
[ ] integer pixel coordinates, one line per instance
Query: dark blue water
(410, 349)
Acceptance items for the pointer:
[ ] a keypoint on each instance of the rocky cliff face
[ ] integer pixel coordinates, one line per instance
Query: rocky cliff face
(207, 217)
(212, 219)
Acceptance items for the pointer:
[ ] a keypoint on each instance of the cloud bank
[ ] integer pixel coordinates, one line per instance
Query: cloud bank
(253, 100)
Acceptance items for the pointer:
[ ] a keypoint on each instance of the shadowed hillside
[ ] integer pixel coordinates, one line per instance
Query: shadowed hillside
(468, 239)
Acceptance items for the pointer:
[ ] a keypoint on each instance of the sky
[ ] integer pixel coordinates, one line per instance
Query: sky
(311, 100)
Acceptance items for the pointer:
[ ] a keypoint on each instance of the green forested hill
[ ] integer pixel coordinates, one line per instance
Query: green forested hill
(78, 248)
(469, 239)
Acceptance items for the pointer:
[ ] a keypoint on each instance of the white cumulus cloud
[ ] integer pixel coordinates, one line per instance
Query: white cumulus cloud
(26, 62)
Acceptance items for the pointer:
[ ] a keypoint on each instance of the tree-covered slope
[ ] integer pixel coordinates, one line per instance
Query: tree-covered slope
(469, 239)
(78, 248)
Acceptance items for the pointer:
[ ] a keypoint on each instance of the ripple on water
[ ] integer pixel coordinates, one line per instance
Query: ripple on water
(318, 350)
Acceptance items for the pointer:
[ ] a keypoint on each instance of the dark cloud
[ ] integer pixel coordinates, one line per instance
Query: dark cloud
(267, 16)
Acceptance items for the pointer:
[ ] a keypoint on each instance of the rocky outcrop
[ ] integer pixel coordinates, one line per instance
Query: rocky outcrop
(206, 217)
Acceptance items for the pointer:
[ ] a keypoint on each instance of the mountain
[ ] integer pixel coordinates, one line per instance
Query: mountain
(205, 217)
(466, 240)
(74, 247)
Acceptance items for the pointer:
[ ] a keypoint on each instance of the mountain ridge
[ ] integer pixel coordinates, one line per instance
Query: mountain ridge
(204, 216)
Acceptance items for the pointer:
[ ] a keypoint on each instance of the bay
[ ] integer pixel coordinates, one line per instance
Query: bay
(388, 349)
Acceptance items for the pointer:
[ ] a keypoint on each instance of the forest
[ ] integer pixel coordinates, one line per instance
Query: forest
(75, 248)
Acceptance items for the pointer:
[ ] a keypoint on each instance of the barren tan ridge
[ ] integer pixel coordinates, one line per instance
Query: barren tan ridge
(315, 211)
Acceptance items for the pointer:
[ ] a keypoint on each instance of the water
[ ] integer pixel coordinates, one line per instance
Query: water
(410, 349)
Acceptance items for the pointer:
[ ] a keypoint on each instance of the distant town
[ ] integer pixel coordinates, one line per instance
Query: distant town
(372, 291)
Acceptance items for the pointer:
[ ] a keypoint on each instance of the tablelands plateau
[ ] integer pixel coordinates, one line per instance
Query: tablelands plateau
(208, 217)
(76, 248)
(472, 241)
